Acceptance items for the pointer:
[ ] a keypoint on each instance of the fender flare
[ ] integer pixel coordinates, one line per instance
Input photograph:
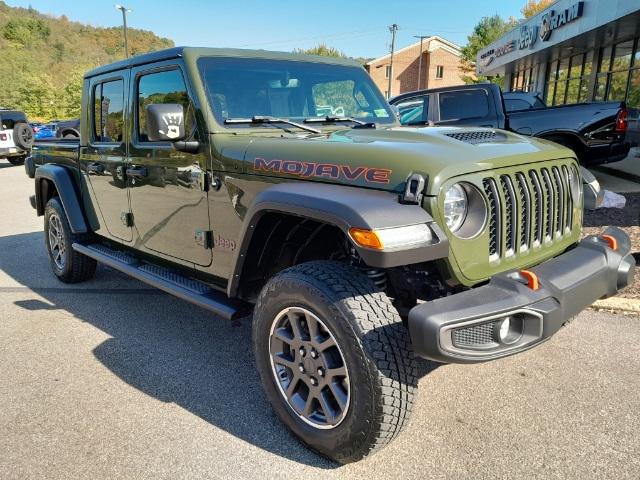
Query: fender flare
(62, 179)
(343, 207)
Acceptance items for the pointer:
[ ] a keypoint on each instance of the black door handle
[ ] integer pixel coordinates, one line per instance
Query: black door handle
(136, 172)
(95, 168)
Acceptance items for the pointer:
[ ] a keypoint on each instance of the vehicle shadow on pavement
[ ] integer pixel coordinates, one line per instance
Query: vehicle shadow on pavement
(6, 164)
(168, 349)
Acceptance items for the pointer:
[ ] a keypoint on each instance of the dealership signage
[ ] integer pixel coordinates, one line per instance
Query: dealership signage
(528, 36)
(490, 55)
(552, 20)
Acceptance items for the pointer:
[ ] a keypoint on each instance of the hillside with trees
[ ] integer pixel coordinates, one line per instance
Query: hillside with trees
(44, 57)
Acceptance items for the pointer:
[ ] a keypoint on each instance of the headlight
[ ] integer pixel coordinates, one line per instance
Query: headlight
(455, 207)
(575, 184)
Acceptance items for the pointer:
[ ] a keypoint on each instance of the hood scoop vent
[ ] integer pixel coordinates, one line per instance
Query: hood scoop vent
(480, 136)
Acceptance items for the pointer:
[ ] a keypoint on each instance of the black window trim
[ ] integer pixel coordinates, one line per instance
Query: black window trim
(99, 81)
(135, 139)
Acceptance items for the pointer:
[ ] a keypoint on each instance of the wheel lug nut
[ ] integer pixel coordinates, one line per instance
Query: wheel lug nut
(301, 368)
(314, 354)
(321, 371)
(313, 381)
(302, 352)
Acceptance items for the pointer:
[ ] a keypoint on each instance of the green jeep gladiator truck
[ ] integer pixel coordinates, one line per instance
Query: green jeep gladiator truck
(239, 179)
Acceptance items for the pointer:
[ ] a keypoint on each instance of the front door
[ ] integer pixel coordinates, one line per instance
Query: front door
(167, 192)
(104, 157)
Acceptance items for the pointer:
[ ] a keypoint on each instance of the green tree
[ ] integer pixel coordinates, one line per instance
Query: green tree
(488, 30)
(322, 50)
(26, 30)
(72, 95)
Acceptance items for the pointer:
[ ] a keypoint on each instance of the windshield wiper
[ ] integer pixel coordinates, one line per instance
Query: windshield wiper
(334, 119)
(257, 120)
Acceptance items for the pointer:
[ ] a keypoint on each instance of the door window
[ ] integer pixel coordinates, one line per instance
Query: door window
(162, 87)
(463, 104)
(108, 112)
(413, 110)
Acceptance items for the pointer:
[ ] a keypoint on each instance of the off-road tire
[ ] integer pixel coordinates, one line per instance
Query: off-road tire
(23, 136)
(375, 345)
(16, 160)
(77, 267)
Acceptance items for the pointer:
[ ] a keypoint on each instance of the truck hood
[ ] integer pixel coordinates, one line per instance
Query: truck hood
(384, 158)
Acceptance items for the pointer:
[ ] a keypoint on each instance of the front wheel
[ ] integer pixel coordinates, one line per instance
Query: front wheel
(334, 359)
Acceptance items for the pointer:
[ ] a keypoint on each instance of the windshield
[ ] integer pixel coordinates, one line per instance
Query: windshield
(293, 90)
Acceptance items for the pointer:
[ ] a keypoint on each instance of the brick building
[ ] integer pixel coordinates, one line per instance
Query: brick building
(440, 67)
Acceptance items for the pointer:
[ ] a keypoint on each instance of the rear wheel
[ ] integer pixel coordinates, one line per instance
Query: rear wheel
(67, 264)
(334, 359)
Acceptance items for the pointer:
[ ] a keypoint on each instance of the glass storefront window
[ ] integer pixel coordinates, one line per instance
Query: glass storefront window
(576, 66)
(601, 88)
(584, 95)
(605, 60)
(553, 71)
(563, 69)
(573, 91)
(551, 91)
(588, 63)
(560, 89)
(618, 85)
(633, 100)
(622, 56)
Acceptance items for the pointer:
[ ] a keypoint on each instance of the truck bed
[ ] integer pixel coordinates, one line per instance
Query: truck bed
(57, 150)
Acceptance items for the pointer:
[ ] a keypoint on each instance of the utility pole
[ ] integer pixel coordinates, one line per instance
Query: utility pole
(421, 37)
(393, 29)
(124, 11)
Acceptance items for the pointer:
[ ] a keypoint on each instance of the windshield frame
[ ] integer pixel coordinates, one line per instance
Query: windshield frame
(204, 61)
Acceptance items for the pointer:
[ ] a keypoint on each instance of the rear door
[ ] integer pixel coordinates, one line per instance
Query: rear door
(167, 189)
(103, 159)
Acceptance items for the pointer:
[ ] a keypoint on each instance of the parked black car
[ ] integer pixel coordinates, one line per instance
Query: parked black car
(595, 131)
(68, 129)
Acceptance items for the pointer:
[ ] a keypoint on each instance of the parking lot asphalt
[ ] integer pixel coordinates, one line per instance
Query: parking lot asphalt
(111, 379)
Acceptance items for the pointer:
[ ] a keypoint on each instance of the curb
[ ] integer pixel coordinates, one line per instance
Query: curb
(618, 304)
(632, 177)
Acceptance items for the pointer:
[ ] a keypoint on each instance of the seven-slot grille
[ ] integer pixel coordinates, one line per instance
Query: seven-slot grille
(528, 208)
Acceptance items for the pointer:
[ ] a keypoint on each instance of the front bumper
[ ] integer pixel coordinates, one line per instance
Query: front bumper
(465, 328)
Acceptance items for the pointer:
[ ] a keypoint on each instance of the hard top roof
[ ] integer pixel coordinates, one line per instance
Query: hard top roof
(176, 52)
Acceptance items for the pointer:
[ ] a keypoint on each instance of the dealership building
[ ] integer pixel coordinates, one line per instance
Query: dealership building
(573, 51)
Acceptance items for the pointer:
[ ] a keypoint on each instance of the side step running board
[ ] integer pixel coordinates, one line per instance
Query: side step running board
(165, 279)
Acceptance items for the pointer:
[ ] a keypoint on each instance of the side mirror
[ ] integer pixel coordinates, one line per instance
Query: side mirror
(165, 122)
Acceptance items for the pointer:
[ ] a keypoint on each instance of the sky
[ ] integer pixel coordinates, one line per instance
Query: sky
(357, 27)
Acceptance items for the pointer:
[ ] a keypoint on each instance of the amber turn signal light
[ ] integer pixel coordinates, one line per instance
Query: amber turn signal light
(366, 238)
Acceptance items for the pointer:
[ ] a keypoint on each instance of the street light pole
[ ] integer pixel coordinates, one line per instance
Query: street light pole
(124, 11)
(393, 29)
(421, 37)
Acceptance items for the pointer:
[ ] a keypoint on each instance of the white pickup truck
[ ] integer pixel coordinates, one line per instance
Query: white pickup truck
(16, 136)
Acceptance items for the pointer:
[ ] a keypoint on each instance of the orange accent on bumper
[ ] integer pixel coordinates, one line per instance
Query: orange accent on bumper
(611, 240)
(532, 279)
